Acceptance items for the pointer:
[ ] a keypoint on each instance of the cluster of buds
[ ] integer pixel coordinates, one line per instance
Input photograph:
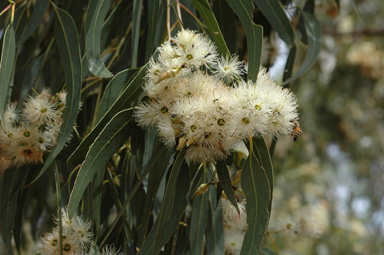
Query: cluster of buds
(198, 99)
(76, 238)
(25, 136)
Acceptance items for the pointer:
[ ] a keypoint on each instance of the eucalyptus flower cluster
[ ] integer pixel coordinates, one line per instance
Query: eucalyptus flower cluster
(197, 98)
(27, 134)
(76, 237)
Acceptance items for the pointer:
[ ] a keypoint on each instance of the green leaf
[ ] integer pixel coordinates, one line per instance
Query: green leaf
(156, 175)
(131, 93)
(279, 21)
(97, 196)
(13, 183)
(172, 208)
(226, 182)
(258, 190)
(215, 233)
(253, 32)
(35, 21)
(158, 154)
(69, 48)
(313, 29)
(105, 145)
(289, 64)
(155, 20)
(117, 19)
(202, 6)
(97, 10)
(199, 221)
(7, 64)
(262, 153)
(136, 20)
(113, 89)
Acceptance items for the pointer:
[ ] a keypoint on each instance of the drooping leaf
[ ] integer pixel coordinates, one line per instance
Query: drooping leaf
(155, 14)
(155, 177)
(127, 96)
(253, 32)
(121, 15)
(97, 10)
(225, 182)
(7, 64)
(215, 231)
(262, 153)
(158, 154)
(199, 221)
(257, 188)
(205, 11)
(227, 22)
(105, 145)
(35, 21)
(136, 20)
(172, 208)
(13, 183)
(69, 48)
(97, 197)
(113, 89)
(276, 16)
(289, 64)
(313, 29)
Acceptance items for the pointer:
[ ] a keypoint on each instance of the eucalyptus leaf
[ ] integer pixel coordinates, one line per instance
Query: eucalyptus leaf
(12, 185)
(7, 64)
(226, 182)
(68, 43)
(35, 21)
(275, 14)
(257, 188)
(199, 221)
(202, 6)
(313, 29)
(131, 92)
(105, 145)
(253, 32)
(97, 10)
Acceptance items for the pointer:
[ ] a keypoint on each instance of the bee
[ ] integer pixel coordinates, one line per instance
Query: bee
(296, 131)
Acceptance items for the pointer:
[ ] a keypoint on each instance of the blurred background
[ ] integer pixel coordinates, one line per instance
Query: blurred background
(334, 173)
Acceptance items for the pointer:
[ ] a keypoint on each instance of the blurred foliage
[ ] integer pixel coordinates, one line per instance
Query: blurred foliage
(336, 167)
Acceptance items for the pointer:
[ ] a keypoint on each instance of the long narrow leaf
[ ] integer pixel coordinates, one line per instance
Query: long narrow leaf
(113, 89)
(276, 16)
(69, 48)
(105, 145)
(13, 182)
(125, 99)
(155, 12)
(202, 6)
(225, 182)
(253, 32)
(35, 21)
(257, 188)
(97, 10)
(313, 29)
(215, 233)
(172, 208)
(8, 58)
(199, 221)
(136, 20)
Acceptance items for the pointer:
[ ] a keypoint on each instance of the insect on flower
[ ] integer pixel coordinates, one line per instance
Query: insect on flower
(296, 130)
